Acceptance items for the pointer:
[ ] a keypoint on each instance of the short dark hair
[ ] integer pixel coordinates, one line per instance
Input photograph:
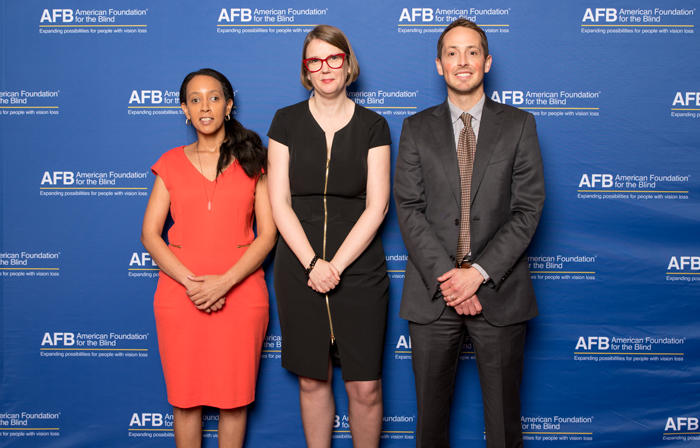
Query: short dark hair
(337, 38)
(466, 24)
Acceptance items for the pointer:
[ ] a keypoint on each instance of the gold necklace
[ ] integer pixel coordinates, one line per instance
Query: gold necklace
(204, 179)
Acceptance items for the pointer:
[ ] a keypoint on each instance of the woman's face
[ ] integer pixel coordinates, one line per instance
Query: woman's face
(206, 105)
(328, 80)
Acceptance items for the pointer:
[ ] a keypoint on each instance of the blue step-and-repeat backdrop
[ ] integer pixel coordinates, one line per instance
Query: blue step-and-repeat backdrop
(89, 101)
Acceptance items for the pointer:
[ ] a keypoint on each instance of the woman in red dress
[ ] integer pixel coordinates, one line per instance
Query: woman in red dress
(211, 304)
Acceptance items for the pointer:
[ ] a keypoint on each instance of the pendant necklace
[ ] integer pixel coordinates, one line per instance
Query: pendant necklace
(204, 180)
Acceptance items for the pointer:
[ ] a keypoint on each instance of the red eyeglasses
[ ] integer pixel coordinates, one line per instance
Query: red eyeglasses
(334, 61)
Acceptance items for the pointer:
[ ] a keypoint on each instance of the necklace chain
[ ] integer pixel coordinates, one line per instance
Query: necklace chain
(206, 192)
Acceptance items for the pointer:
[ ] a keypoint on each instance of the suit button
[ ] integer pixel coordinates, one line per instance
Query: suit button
(452, 257)
(456, 222)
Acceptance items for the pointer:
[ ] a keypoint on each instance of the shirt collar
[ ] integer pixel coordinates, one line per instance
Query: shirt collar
(475, 112)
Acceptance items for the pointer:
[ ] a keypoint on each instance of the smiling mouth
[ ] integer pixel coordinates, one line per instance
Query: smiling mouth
(206, 120)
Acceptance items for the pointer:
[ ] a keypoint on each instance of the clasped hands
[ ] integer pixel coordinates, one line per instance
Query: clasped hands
(323, 277)
(459, 287)
(207, 292)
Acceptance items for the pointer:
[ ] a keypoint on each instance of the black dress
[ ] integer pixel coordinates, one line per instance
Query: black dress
(331, 194)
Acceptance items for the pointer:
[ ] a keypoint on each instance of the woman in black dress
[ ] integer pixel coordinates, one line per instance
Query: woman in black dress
(328, 171)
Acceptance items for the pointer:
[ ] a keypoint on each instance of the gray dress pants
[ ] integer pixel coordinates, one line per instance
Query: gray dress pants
(499, 356)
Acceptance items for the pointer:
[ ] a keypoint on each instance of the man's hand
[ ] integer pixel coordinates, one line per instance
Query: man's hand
(458, 285)
(471, 306)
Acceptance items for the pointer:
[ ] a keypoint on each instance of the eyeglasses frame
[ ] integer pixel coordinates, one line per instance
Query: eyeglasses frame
(305, 62)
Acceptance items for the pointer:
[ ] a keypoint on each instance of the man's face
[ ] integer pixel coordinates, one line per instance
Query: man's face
(463, 63)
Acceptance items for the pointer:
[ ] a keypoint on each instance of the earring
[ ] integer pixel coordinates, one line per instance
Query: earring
(228, 116)
(187, 121)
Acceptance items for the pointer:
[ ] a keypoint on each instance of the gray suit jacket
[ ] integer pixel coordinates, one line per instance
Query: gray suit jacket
(507, 195)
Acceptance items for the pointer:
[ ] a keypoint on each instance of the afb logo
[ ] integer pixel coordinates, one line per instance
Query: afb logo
(146, 97)
(603, 343)
(57, 16)
(140, 97)
(151, 419)
(403, 343)
(140, 259)
(686, 99)
(54, 339)
(514, 97)
(683, 263)
(600, 14)
(681, 424)
(416, 14)
(230, 15)
(58, 178)
(593, 180)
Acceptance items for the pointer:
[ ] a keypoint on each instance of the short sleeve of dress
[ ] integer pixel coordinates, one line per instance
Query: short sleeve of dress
(160, 169)
(379, 133)
(278, 129)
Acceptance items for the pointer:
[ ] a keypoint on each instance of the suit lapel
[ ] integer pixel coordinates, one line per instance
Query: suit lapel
(489, 132)
(445, 150)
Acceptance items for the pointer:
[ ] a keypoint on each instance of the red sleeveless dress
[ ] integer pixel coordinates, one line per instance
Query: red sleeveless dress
(209, 359)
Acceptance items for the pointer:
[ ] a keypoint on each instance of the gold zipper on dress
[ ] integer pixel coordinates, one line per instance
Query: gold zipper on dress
(325, 226)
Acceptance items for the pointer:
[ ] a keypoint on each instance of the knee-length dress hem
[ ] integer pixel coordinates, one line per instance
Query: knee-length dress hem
(358, 305)
(209, 359)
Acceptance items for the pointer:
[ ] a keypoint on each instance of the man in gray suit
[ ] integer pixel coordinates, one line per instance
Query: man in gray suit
(469, 191)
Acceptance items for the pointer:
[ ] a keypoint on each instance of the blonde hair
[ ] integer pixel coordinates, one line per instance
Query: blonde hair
(337, 38)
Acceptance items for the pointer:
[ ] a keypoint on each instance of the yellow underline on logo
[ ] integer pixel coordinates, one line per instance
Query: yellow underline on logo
(31, 429)
(399, 351)
(562, 108)
(560, 272)
(29, 107)
(679, 433)
(625, 353)
(265, 25)
(30, 269)
(389, 107)
(628, 191)
(84, 26)
(272, 351)
(144, 269)
(92, 188)
(340, 431)
(102, 349)
(397, 271)
(683, 273)
(406, 24)
(687, 26)
(571, 433)
(685, 109)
